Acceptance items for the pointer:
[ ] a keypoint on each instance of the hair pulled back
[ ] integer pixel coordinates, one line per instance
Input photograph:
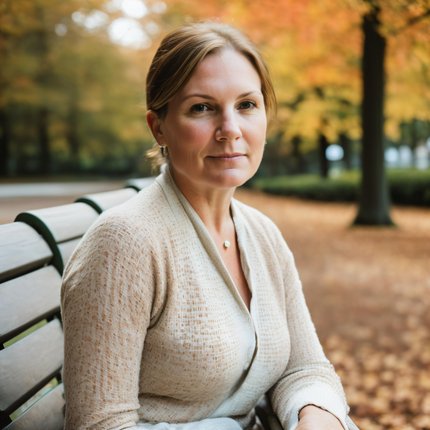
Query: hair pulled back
(182, 50)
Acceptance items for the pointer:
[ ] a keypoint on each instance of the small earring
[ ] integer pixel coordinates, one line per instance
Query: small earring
(164, 151)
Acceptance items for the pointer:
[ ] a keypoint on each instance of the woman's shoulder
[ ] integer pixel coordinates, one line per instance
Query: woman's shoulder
(141, 214)
(133, 228)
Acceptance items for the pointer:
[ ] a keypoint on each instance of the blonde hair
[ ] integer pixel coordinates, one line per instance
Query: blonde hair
(181, 51)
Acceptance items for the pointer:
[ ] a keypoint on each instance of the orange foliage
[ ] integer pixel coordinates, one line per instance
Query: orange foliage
(317, 45)
(304, 49)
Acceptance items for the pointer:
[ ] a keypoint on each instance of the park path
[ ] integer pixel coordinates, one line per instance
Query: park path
(368, 290)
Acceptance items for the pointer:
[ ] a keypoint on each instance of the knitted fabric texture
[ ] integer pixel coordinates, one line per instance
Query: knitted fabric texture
(156, 331)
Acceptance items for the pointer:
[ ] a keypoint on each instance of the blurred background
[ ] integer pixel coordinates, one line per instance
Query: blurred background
(352, 128)
(72, 81)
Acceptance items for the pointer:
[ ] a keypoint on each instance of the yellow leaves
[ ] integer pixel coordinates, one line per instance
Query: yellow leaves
(318, 44)
(422, 421)
(16, 16)
(386, 389)
(425, 404)
(307, 120)
(408, 85)
(424, 381)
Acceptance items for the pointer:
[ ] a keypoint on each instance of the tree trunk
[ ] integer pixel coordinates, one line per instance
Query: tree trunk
(298, 158)
(414, 143)
(43, 141)
(345, 143)
(43, 78)
(374, 204)
(72, 137)
(322, 146)
(4, 143)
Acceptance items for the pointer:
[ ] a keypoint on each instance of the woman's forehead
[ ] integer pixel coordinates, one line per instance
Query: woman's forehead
(223, 68)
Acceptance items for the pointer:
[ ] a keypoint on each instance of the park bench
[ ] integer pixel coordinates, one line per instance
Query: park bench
(29, 299)
(33, 252)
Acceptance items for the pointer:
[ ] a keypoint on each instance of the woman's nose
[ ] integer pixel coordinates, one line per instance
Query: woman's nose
(228, 128)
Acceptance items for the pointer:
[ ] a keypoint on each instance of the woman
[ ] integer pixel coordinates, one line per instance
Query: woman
(182, 307)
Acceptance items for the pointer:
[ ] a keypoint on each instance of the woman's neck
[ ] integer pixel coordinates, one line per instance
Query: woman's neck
(212, 205)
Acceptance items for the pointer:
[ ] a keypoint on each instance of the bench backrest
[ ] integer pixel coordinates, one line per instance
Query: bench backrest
(139, 183)
(33, 252)
(102, 201)
(31, 337)
(61, 226)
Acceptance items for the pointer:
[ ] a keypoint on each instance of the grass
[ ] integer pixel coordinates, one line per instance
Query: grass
(25, 333)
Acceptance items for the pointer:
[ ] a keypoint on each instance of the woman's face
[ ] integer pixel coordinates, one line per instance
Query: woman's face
(215, 127)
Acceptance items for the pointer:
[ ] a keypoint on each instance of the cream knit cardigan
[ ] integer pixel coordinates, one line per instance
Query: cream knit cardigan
(156, 332)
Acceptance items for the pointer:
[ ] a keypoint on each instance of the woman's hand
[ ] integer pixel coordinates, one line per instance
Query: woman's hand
(314, 418)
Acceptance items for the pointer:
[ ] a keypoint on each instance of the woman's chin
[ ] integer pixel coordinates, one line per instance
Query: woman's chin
(233, 178)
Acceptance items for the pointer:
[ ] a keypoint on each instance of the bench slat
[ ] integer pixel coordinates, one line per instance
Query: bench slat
(60, 224)
(28, 299)
(140, 183)
(29, 364)
(45, 414)
(106, 200)
(33, 251)
(65, 222)
(21, 249)
(67, 248)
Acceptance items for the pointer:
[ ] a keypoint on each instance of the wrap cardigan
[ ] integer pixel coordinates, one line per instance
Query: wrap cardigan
(157, 335)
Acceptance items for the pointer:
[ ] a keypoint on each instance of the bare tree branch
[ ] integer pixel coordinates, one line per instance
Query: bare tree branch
(411, 21)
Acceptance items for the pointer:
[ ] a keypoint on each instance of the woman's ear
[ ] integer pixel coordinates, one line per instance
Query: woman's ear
(155, 125)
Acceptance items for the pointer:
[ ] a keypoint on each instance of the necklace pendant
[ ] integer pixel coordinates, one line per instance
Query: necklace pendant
(226, 244)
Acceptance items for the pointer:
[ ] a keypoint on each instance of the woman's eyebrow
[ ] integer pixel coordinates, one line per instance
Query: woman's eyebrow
(208, 97)
(203, 96)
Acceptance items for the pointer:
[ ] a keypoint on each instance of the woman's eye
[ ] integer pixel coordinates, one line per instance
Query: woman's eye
(247, 105)
(200, 107)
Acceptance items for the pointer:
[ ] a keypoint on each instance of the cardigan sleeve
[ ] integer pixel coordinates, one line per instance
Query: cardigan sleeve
(106, 301)
(309, 378)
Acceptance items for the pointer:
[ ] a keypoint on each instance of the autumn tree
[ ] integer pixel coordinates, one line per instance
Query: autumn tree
(70, 98)
(374, 197)
(320, 54)
(317, 85)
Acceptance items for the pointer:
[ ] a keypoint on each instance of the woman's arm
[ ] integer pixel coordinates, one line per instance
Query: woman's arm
(106, 305)
(309, 378)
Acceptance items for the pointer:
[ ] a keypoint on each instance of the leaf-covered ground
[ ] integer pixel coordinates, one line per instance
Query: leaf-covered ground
(369, 294)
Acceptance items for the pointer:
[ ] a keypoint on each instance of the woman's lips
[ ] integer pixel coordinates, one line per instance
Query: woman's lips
(227, 156)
